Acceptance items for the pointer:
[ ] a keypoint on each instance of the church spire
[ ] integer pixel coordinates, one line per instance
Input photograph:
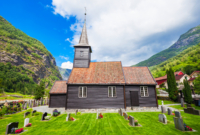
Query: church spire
(83, 41)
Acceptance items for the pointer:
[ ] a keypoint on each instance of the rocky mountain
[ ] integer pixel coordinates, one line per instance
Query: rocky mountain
(26, 55)
(64, 73)
(188, 39)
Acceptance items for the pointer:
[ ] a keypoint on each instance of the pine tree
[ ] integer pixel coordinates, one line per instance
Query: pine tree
(39, 92)
(187, 92)
(171, 82)
(197, 85)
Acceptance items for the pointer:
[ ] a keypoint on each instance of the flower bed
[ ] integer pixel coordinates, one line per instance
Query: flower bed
(71, 119)
(19, 131)
(100, 116)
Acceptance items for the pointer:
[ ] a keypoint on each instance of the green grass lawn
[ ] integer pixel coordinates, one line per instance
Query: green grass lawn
(166, 102)
(111, 124)
(6, 97)
(181, 108)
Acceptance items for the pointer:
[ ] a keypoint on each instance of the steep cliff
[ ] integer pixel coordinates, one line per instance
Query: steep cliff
(21, 50)
(188, 39)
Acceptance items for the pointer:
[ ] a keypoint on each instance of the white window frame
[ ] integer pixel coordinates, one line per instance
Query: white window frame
(82, 89)
(112, 91)
(145, 94)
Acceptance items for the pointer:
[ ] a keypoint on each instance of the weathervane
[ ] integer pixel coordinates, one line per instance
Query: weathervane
(85, 14)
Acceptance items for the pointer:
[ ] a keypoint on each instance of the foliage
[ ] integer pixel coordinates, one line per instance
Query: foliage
(171, 82)
(39, 92)
(172, 51)
(197, 85)
(78, 113)
(187, 61)
(187, 92)
(157, 92)
(136, 122)
(15, 81)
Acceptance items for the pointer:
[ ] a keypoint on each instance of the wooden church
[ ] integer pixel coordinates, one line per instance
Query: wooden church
(93, 85)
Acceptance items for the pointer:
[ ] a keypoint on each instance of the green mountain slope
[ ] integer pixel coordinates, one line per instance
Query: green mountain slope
(190, 38)
(64, 73)
(24, 61)
(187, 61)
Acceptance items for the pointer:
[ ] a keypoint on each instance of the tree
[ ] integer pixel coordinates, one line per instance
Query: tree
(197, 85)
(187, 92)
(39, 92)
(171, 82)
(1, 86)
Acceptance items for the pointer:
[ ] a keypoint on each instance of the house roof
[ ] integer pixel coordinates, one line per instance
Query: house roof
(191, 79)
(59, 87)
(98, 73)
(195, 72)
(165, 77)
(138, 75)
(178, 77)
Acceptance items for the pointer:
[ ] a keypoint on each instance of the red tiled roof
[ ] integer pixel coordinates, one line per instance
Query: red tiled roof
(191, 79)
(138, 75)
(165, 77)
(195, 72)
(59, 87)
(98, 73)
(178, 77)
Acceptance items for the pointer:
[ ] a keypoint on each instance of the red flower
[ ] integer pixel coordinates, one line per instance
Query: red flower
(19, 130)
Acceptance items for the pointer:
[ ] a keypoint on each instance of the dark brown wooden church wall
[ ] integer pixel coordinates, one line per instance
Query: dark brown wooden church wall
(97, 97)
(57, 100)
(143, 101)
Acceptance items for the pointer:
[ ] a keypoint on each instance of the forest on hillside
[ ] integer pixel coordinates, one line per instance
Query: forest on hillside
(187, 61)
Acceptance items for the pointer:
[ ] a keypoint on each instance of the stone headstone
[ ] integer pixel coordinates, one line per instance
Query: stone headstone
(169, 111)
(178, 122)
(177, 114)
(68, 116)
(76, 111)
(26, 121)
(34, 111)
(44, 115)
(125, 116)
(121, 112)
(26, 113)
(182, 102)
(163, 109)
(162, 118)
(131, 121)
(162, 102)
(192, 110)
(11, 126)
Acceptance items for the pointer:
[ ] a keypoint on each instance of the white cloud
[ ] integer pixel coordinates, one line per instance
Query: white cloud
(63, 57)
(67, 65)
(117, 30)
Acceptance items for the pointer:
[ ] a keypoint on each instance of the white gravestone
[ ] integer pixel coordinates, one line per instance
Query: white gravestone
(26, 121)
(162, 102)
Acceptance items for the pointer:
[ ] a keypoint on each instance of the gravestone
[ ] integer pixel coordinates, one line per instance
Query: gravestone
(97, 115)
(169, 111)
(121, 112)
(34, 111)
(182, 102)
(125, 116)
(131, 121)
(11, 126)
(178, 121)
(76, 111)
(162, 118)
(192, 110)
(68, 116)
(26, 121)
(26, 113)
(163, 109)
(23, 105)
(44, 115)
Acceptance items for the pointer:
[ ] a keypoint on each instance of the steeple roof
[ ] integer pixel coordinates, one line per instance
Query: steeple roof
(83, 41)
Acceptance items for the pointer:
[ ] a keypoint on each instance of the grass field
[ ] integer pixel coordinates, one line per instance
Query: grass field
(7, 97)
(111, 124)
(181, 108)
(166, 102)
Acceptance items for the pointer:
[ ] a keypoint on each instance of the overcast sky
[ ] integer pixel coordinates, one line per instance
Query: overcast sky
(129, 31)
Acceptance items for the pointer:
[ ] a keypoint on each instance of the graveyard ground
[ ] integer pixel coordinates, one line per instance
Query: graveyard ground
(181, 108)
(166, 102)
(112, 123)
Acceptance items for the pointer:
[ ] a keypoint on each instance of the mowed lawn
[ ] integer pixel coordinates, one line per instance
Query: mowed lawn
(111, 124)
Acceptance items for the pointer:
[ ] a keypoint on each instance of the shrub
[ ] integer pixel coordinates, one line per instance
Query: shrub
(136, 122)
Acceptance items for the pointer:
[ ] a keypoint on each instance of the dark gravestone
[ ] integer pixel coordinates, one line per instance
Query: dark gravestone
(34, 111)
(10, 126)
(26, 113)
(131, 121)
(44, 115)
(191, 110)
(178, 121)
(169, 111)
(76, 111)
(163, 109)
(177, 114)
